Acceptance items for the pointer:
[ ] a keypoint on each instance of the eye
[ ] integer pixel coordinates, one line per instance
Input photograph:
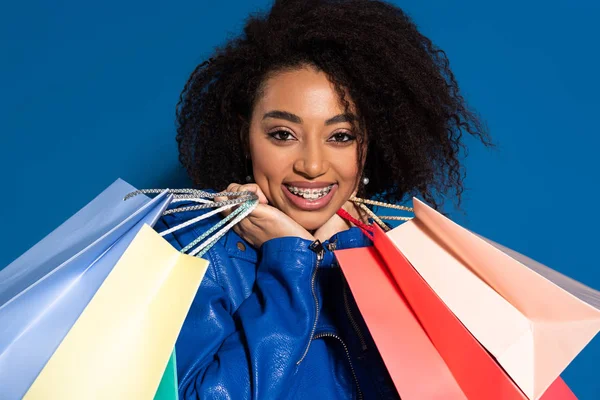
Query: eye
(282, 135)
(342, 137)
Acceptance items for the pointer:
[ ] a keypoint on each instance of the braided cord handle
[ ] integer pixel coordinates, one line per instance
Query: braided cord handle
(245, 200)
(362, 204)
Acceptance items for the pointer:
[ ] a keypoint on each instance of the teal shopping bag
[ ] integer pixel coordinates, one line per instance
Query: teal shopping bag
(167, 390)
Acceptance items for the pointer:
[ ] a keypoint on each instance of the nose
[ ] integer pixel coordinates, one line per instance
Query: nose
(311, 162)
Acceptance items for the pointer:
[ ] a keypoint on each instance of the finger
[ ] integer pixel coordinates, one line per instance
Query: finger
(231, 188)
(235, 188)
(264, 212)
(222, 198)
(238, 228)
(254, 188)
(261, 211)
(262, 199)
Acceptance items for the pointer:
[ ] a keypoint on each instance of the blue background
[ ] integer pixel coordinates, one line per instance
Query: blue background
(88, 91)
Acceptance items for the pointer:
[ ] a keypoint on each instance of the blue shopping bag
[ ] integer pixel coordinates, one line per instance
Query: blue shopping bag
(90, 223)
(44, 291)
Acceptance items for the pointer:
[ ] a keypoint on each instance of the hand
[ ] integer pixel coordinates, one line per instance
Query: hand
(337, 224)
(264, 222)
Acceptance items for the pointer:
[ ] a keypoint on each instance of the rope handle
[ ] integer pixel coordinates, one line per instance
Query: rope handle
(248, 201)
(198, 247)
(198, 196)
(362, 204)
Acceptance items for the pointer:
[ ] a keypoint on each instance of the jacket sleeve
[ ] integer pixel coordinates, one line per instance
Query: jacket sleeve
(251, 352)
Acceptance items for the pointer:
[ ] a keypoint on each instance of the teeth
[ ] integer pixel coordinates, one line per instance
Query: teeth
(310, 194)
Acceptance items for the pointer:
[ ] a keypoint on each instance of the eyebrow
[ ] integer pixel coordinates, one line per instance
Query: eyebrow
(297, 120)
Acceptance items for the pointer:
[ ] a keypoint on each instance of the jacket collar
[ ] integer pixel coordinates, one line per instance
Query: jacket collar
(348, 239)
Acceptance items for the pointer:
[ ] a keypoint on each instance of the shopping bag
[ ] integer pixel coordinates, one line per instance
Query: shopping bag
(168, 387)
(120, 345)
(46, 290)
(531, 319)
(472, 367)
(47, 298)
(93, 221)
(415, 366)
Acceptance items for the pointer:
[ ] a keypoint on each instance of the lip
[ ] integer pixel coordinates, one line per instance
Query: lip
(309, 205)
(309, 185)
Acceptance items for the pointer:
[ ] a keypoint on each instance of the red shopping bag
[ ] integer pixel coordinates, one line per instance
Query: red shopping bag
(428, 352)
(416, 367)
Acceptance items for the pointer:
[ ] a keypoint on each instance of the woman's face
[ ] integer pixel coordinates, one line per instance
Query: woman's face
(304, 154)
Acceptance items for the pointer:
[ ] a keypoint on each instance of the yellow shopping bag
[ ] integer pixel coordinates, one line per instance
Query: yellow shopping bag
(120, 345)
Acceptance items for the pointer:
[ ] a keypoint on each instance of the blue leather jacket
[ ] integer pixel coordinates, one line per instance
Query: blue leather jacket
(276, 323)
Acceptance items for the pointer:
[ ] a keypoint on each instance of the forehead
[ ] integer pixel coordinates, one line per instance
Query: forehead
(305, 91)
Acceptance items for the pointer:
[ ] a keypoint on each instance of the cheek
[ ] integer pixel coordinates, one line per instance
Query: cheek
(347, 170)
(270, 165)
(270, 162)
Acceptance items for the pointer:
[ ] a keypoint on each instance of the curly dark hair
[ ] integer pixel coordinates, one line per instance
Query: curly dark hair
(406, 97)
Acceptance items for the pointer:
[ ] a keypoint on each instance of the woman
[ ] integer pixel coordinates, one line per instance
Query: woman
(315, 102)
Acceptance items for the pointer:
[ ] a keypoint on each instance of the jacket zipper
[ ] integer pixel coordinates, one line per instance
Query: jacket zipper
(326, 334)
(351, 316)
(318, 248)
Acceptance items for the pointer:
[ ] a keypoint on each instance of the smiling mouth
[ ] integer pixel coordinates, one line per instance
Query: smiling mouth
(310, 194)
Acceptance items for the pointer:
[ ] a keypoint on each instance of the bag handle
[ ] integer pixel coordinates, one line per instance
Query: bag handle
(248, 201)
(362, 204)
(205, 200)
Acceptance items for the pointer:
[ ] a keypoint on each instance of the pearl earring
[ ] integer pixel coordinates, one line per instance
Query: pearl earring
(248, 170)
(365, 181)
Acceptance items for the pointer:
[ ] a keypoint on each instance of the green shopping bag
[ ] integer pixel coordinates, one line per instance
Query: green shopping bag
(167, 390)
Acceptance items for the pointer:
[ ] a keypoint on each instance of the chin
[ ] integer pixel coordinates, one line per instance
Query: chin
(309, 221)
